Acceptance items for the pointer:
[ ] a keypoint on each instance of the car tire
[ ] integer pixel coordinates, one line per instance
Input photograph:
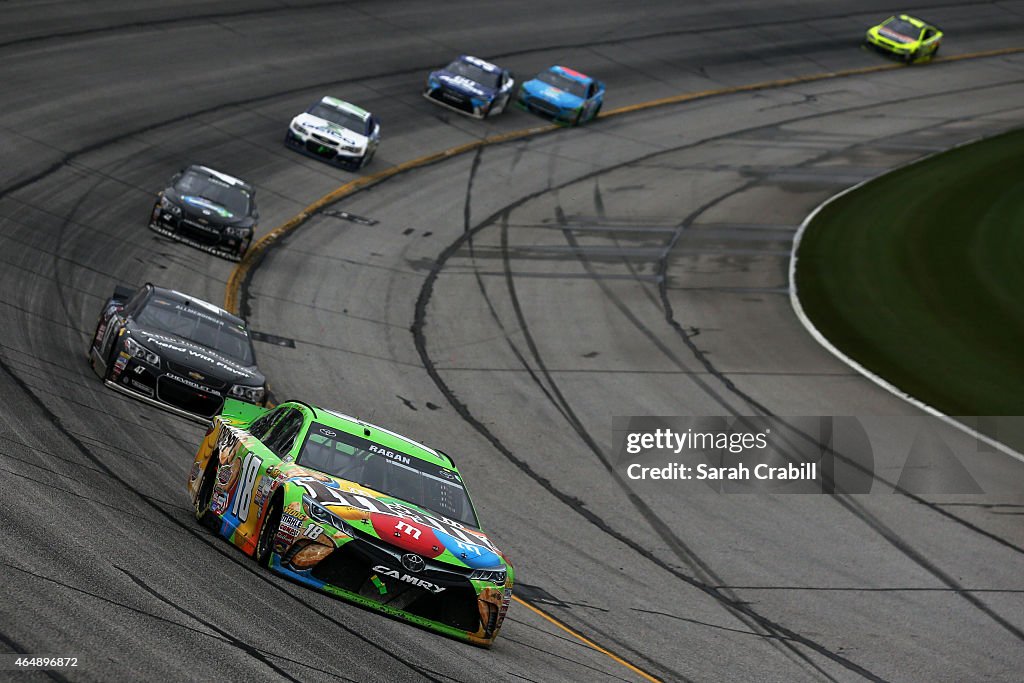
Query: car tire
(366, 159)
(268, 531)
(597, 110)
(111, 359)
(935, 52)
(201, 506)
(910, 57)
(576, 120)
(243, 248)
(92, 345)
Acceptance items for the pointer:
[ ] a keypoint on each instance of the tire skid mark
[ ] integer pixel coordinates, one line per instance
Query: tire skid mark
(157, 617)
(570, 501)
(561, 657)
(463, 410)
(703, 570)
(170, 21)
(468, 231)
(230, 639)
(850, 504)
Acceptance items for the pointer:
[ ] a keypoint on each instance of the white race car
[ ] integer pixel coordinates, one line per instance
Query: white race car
(335, 131)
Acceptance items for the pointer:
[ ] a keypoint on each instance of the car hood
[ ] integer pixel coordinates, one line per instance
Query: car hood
(406, 527)
(204, 359)
(563, 99)
(331, 130)
(463, 84)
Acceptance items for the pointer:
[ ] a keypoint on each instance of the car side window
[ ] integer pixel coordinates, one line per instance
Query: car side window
(282, 436)
(261, 426)
(134, 304)
(590, 90)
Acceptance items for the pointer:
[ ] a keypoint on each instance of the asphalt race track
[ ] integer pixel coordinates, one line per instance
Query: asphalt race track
(504, 306)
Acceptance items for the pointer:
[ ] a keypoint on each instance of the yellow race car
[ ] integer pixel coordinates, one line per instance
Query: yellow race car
(906, 37)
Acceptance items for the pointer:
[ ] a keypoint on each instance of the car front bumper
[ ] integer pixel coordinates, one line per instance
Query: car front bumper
(208, 238)
(324, 150)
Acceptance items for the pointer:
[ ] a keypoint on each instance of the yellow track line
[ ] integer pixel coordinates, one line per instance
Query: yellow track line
(587, 641)
(241, 270)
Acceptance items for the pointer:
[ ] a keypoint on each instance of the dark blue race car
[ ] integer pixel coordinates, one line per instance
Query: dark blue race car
(471, 86)
(563, 95)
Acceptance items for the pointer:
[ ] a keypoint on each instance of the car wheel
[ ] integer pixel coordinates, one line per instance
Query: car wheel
(910, 57)
(367, 158)
(597, 110)
(935, 52)
(244, 248)
(92, 345)
(576, 119)
(108, 372)
(201, 508)
(265, 543)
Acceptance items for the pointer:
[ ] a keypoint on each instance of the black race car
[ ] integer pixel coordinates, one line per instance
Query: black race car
(209, 210)
(175, 351)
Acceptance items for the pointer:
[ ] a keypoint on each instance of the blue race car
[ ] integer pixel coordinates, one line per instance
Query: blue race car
(471, 86)
(564, 95)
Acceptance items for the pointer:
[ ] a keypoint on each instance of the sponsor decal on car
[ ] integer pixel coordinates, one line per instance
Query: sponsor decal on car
(408, 578)
(219, 502)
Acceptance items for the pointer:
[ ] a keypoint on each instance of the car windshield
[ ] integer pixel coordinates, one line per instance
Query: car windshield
(563, 83)
(904, 28)
(487, 79)
(345, 119)
(213, 189)
(412, 480)
(196, 324)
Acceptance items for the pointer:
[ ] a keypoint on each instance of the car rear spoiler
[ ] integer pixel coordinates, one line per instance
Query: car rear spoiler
(240, 413)
(122, 293)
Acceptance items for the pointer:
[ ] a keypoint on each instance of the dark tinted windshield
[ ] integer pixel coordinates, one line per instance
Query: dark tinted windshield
(391, 472)
(903, 28)
(563, 83)
(354, 123)
(197, 324)
(203, 186)
(474, 73)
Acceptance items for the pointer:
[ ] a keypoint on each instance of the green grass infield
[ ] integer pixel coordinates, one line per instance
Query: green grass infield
(919, 277)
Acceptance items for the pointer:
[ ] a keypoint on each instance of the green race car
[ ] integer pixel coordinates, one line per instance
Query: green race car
(354, 510)
(906, 37)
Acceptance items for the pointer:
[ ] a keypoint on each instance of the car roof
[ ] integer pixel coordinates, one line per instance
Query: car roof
(190, 300)
(571, 73)
(223, 177)
(345, 106)
(476, 61)
(380, 435)
(913, 21)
